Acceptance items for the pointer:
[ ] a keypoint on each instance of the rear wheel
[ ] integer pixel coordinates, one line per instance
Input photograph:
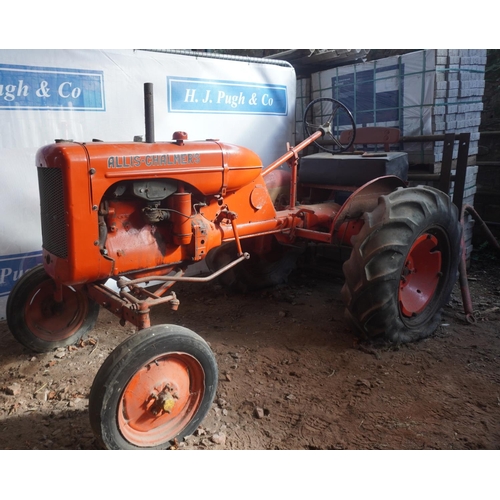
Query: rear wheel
(39, 322)
(155, 387)
(403, 265)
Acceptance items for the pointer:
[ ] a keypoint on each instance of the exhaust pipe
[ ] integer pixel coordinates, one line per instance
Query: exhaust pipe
(149, 112)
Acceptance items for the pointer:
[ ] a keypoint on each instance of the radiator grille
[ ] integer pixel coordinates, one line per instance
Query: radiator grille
(54, 234)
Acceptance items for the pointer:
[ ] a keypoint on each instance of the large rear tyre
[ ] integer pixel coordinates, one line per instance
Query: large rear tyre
(403, 265)
(155, 387)
(40, 323)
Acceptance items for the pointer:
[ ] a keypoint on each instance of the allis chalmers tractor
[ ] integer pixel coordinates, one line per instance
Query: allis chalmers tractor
(140, 213)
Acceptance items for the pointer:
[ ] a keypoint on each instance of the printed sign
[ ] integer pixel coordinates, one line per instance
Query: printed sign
(192, 95)
(12, 267)
(31, 87)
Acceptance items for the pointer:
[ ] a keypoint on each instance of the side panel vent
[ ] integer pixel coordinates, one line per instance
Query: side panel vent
(54, 233)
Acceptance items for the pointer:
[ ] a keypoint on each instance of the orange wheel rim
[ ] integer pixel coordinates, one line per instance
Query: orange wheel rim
(50, 321)
(420, 275)
(161, 399)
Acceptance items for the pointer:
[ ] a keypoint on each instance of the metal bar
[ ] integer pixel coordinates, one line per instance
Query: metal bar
(137, 314)
(140, 318)
(229, 57)
(488, 163)
(58, 294)
(461, 172)
(292, 152)
(236, 237)
(464, 285)
(333, 187)
(482, 226)
(189, 279)
(168, 284)
(490, 132)
(161, 300)
(313, 235)
(445, 177)
(294, 166)
(427, 138)
(427, 177)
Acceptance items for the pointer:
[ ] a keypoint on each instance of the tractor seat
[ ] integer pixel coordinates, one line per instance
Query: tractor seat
(371, 136)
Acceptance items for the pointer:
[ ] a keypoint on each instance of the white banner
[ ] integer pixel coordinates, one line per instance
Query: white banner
(98, 94)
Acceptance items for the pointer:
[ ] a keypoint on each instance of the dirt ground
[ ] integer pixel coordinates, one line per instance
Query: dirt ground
(292, 374)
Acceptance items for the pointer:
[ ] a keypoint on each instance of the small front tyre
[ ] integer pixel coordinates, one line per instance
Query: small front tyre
(154, 388)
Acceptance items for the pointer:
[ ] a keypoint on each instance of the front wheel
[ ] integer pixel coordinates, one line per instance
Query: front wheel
(39, 322)
(155, 387)
(403, 265)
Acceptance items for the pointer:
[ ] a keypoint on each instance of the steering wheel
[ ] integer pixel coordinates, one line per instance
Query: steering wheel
(334, 118)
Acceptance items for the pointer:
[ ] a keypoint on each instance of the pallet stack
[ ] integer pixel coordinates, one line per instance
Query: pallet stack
(458, 99)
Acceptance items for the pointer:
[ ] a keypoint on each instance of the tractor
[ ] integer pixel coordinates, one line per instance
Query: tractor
(122, 223)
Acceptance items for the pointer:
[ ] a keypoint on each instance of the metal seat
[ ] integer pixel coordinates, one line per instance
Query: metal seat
(371, 136)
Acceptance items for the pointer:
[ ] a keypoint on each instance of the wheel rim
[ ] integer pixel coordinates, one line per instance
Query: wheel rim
(420, 275)
(161, 399)
(52, 321)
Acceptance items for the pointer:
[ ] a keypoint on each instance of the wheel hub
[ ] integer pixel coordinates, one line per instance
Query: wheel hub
(162, 402)
(420, 275)
(53, 321)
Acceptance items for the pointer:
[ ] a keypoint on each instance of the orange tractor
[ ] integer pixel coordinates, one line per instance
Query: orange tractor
(141, 213)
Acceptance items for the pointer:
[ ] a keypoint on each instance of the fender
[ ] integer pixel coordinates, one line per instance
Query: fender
(348, 220)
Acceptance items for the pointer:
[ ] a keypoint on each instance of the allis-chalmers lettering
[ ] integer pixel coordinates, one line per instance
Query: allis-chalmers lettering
(153, 160)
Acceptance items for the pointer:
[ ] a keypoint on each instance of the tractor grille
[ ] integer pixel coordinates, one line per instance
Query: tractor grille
(54, 235)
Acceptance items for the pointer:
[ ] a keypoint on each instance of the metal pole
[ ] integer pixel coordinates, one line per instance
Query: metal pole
(149, 112)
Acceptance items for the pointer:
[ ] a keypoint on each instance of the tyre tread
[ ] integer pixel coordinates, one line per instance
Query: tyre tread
(371, 297)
